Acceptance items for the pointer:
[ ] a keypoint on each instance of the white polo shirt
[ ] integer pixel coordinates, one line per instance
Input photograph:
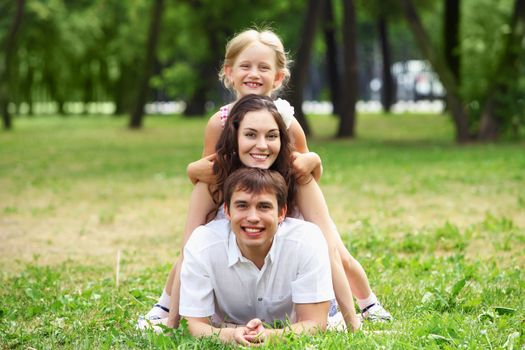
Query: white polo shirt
(217, 280)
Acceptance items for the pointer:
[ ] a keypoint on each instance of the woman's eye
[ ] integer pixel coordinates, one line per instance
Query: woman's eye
(273, 136)
(249, 134)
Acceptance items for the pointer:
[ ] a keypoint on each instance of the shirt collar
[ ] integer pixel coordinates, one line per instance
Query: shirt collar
(235, 255)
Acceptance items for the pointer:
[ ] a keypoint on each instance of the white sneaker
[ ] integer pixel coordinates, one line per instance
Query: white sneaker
(144, 324)
(335, 319)
(157, 312)
(156, 315)
(376, 313)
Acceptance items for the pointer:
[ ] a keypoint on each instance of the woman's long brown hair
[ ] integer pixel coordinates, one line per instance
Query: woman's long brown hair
(227, 155)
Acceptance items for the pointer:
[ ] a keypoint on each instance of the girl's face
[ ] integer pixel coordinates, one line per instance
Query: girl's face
(254, 71)
(258, 139)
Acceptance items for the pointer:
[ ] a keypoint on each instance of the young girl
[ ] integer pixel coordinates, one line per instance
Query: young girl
(255, 62)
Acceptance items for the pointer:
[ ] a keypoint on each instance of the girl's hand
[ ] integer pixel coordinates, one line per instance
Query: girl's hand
(202, 170)
(306, 166)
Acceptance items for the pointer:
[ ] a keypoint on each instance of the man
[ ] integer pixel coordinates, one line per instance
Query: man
(256, 268)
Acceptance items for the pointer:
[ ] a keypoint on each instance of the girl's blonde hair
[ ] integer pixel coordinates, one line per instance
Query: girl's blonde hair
(244, 39)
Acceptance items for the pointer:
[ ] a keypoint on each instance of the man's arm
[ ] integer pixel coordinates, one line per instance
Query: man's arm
(201, 327)
(311, 318)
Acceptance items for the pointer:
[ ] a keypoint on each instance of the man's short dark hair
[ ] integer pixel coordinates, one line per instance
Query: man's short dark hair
(255, 180)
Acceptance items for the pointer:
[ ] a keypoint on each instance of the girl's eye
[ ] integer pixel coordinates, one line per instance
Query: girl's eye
(245, 66)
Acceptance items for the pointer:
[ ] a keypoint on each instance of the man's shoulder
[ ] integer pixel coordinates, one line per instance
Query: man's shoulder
(205, 236)
(298, 230)
(293, 225)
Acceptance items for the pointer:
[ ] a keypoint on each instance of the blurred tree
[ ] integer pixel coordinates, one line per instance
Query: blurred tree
(387, 17)
(347, 118)
(491, 96)
(451, 36)
(7, 65)
(495, 115)
(137, 115)
(387, 86)
(331, 52)
(453, 97)
(300, 68)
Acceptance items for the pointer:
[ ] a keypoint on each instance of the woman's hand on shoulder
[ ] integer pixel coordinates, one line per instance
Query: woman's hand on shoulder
(202, 170)
(306, 166)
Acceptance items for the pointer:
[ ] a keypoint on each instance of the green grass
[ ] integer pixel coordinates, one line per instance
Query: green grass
(438, 227)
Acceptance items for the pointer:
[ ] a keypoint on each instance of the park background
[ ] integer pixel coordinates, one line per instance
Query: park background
(431, 200)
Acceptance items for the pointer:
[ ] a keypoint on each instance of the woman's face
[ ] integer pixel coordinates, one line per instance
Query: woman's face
(258, 139)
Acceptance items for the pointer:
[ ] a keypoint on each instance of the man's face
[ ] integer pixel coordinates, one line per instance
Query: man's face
(254, 219)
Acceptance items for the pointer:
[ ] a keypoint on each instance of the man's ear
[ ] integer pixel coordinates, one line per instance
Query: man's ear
(227, 211)
(282, 213)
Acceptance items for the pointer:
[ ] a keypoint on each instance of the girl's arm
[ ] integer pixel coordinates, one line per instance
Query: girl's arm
(312, 205)
(201, 170)
(306, 163)
(200, 205)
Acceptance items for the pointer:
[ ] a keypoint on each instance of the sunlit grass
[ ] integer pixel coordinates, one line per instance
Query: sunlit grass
(438, 227)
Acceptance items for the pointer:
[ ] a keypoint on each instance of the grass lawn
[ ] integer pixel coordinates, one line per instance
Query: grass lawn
(439, 228)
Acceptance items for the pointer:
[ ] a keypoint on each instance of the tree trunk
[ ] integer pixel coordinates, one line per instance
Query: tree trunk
(137, 115)
(195, 106)
(331, 56)
(387, 87)
(451, 37)
(347, 121)
(507, 69)
(454, 101)
(300, 68)
(9, 51)
(207, 75)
